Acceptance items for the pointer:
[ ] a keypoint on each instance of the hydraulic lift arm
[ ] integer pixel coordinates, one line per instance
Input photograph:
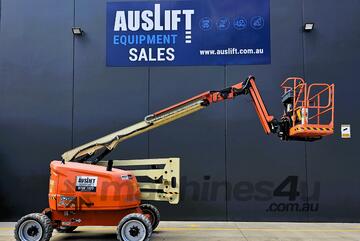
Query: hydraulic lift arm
(302, 120)
(106, 144)
(297, 122)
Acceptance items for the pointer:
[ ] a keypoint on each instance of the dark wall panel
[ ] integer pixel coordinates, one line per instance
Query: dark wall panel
(198, 139)
(105, 99)
(332, 53)
(256, 163)
(36, 96)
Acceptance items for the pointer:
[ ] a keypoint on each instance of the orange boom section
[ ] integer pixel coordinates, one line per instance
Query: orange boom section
(77, 186)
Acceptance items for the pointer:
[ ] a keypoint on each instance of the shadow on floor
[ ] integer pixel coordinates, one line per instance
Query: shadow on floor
(85, 236)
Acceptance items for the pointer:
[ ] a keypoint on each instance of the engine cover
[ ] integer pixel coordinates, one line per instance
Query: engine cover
(76, 186)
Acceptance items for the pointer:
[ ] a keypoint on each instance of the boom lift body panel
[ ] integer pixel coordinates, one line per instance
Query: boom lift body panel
(84, 195)
(78, 186)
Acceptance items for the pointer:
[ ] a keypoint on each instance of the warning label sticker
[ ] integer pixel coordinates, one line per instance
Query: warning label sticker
(86, 184)
(345, 131)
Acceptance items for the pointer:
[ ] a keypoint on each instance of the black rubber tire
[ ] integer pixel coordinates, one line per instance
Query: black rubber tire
(154, 212)
(135, 216)
(42, 219)
(66, 229)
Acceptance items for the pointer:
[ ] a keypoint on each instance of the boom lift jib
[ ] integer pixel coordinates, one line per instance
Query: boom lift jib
(296, 123)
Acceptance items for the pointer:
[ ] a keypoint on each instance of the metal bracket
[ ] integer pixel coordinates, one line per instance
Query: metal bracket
(166, 179)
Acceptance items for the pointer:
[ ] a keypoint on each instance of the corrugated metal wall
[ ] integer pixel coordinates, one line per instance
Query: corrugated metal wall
(56, 92)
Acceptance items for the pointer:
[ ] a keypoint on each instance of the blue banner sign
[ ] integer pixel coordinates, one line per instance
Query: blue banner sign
(188, 32)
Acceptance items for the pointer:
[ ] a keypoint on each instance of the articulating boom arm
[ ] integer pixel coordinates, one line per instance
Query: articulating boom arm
(205, 99)
(297, 123)
(106, 144)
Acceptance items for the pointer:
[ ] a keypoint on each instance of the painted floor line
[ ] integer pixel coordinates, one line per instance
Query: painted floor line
(225, 229)
(260, 229)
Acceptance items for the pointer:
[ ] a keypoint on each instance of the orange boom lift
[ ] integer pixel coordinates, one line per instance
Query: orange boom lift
(86, 190)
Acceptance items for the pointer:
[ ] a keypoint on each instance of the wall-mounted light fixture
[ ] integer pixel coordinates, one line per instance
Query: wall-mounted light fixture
(308, 27)
(77, 31)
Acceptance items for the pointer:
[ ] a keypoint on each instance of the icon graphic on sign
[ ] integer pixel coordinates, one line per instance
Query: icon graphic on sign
(205, 24)
(257, 22)
(223, 23)
(240, 23)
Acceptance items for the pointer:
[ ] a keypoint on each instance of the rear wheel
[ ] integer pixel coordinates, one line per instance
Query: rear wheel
(134, 227)
(153, 212)
(33, 227)
(66, 229)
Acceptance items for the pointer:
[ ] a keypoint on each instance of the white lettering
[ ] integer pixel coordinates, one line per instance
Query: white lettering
(167, 20)
(151, 54)
(120, 21)
(160, 54)
(188, 14)
(148, 24)
(157, 18)
(142, 55)
(133, 56)
(175, 19)
(134, 20)
(149, 20)
(170, 54)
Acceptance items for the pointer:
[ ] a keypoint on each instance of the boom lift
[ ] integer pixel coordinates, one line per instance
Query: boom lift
(81, 194)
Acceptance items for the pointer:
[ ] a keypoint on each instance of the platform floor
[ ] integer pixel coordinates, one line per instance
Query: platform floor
(216, 231)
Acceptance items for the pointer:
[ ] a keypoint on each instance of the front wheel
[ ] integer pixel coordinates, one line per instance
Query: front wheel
(134, 227)
(33, 227)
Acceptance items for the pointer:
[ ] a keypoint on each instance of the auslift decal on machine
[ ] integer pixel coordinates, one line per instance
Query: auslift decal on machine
(86, 184)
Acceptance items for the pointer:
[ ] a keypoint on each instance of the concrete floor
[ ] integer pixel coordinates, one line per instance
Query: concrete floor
(216, 231)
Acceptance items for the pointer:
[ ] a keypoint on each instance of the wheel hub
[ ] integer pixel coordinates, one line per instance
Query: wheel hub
(134, 231)
(33, 231)
(30, 230)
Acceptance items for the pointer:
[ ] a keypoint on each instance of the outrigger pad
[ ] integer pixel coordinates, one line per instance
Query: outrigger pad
(162, 177)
